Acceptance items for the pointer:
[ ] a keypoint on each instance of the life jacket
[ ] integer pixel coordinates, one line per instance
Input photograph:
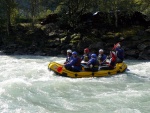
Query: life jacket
(112, 63)
(102, 57)
(113, 59)
(68, 58)
(95, 65)
(120, 53)
(78, 63)
(86, 57)
(94, 62)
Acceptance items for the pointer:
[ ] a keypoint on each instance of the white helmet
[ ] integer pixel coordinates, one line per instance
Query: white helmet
(101, 50)
(69, 51)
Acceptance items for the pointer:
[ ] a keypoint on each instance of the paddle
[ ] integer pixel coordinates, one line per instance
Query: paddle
(127, 69)
(59, 69)
(105, 59)
(104, 65)
(115, 46)
(84, 65)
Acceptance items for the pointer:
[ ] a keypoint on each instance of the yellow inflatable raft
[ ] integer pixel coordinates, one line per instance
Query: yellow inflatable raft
(60, 70)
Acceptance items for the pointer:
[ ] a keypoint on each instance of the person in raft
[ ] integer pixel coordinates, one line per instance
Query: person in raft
(93, 63)
(119, 53)
(74, 64)
(69, 56)
(102, 57)
(111, 64)
(86, 56)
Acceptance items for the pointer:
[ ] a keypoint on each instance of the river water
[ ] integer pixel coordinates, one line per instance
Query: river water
(27, 86)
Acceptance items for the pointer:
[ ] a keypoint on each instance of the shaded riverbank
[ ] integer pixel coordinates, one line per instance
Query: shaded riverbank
(48, 40)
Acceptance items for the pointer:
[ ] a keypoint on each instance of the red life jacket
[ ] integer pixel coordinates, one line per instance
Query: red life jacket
(113, 59)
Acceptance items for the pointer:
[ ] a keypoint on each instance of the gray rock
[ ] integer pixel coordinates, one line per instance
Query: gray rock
(141, 47)
(148, 30)
(132, 52)
(136, 38)
(144, 56)
(97, 45)
(2, 53)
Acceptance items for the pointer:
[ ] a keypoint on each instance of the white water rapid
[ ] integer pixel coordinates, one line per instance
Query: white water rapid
(27, 86)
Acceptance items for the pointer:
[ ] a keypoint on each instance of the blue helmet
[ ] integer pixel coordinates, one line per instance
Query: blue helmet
(93, 55)
(74, 53)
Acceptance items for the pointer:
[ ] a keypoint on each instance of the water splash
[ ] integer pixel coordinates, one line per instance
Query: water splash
(27, 86)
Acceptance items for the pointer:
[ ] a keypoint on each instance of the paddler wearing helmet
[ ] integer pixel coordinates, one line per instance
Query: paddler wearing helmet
(86, 56)
(102, 57)
(74, 64)
(119, 53)
(69, 56)
(93, 63)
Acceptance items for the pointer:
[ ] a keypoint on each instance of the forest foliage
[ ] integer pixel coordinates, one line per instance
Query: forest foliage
(13, 12)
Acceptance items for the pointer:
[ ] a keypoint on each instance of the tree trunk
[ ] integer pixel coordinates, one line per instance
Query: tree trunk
(8, 22)
(116, 13)
(116, 19)
(33, 8)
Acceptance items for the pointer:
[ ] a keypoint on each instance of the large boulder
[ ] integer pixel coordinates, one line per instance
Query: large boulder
(148, 30)
(97, 45)
(84, 43)
(51, 18)
(144, 55)
(132, 53)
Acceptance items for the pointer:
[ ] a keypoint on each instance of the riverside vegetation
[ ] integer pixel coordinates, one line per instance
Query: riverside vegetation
(26, 36)
(134, 40)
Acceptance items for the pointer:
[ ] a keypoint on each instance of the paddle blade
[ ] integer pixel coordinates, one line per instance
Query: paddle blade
(115, 46)
(59, 69)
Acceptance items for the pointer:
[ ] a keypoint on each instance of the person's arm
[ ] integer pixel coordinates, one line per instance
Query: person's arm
(82, 57)
(103, 59)
(89, 56)
(72, 62)
(89, 62)
(66, 61)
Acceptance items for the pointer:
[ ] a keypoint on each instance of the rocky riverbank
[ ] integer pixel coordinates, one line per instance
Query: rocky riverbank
(50, 41)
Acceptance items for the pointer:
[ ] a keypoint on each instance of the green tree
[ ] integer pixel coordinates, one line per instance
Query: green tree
(119, 5)
(30, 9)
(34, 6)
(145, 7)
(74, 9)
(8, 9)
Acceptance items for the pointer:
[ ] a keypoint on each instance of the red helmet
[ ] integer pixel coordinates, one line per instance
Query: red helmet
(86, 50)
